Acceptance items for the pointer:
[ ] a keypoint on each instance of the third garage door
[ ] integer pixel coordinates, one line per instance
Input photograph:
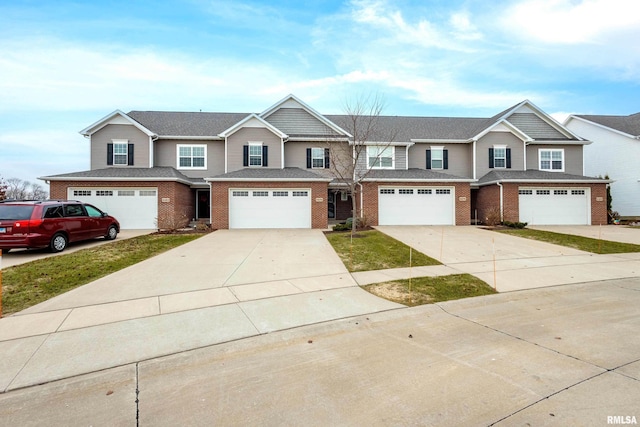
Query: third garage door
(269, 208)
(416, 206)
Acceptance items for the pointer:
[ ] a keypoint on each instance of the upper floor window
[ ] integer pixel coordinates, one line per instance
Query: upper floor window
(255, 154)
(551, 159)
(317, 158)
(437, 158)
(500, 157)
(192, 156)
(120, 152)
(380, 157)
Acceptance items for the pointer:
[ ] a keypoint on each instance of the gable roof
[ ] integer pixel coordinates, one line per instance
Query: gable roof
(535, 176)
(116, 117)
(255, 118)
(626, 124)
(158, 173)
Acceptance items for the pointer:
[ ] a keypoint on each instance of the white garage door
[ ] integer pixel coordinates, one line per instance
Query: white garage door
(416, 206)
(134, 208)
(270, 208)
(555, 206)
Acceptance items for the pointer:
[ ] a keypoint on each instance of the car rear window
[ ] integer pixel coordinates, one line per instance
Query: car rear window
(15, 211)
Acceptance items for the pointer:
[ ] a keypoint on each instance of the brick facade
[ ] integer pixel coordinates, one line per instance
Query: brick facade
(175, 212)
(488, 199)
(220, 200)
(462, 194)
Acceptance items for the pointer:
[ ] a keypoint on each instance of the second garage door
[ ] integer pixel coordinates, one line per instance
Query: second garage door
(555, 206)
(416, 206)
(270, 208)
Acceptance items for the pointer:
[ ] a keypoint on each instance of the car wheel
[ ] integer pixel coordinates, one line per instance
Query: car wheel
(112, 232)
(58, 242)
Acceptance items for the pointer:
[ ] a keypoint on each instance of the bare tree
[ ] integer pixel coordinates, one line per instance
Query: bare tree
(363, 121)
(3, 189)
(19, 189)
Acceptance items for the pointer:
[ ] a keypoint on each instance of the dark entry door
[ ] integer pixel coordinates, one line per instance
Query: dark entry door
(203, 203)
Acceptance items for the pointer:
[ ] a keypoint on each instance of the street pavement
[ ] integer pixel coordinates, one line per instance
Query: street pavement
(266, 327)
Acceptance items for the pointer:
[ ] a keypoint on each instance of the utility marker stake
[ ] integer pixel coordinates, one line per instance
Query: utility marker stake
(600, 239)
(441, 244)
(410, 275)
(0, 282)
(495, 284)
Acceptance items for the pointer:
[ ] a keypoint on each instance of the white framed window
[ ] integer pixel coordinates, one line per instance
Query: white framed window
(120, 151)
(255, 154)
(387, 191)
(424, 191)
(300, 193)
(437, 157)
(77, 193)
(443, 191)
(317, 158)
(551, 159)
(280, 194)
(260, 194)
(344, 196)
(543, 192)
(126, 193)
(560, 192)
(525, 192)
(240, 194)
(578, 192)
(104, 193)
(147, 193)
(380, 157)
(405, 191)
(499, 156)
(192, 156)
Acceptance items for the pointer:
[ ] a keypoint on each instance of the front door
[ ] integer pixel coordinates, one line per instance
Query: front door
(203, 204)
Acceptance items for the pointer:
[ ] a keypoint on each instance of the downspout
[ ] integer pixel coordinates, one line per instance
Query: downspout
(361, 201)
(474, 159)
(152, 139)
(501, 202)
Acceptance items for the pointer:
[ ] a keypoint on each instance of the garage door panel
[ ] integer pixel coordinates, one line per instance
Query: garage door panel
(134, 208)
(416, 206)
(261, 208)
(556, 206)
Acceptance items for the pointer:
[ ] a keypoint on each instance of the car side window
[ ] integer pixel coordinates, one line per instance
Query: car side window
(53, 212)
(93, 211)
(73, 210)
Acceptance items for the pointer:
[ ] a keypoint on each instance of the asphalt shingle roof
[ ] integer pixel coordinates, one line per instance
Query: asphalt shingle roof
(627, 124)
(260, 174)
(529, 175)
(411, 174)
(127, 173)
(168, 123)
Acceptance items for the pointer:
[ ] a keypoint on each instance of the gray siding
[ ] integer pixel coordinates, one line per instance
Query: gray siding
(296, 121)
(242, 137)
(104, 136)
(534, 126)
(165, 154)
(573, 163)
(401, 157)
(499, 138)
(295, 155)
(460, 158)
(399, 153)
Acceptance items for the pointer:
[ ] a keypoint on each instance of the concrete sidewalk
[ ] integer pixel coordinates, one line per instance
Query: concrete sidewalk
(561, 356)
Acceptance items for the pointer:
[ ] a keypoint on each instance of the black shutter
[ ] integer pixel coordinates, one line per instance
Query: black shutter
(308, 158)
(445, 159)
(508, 158)
(265, 155)
(428, 159)
(327, 162)
(109, 154)
(490, 157)
(245, 155)
(130, 154)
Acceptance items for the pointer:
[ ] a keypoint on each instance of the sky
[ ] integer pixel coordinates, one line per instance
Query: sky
(66, 64)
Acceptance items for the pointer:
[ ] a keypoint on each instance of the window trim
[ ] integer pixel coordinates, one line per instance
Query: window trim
(249, 155)
(503, 158)
(433, 157)
(120, 142)
(320, 158)
(378, 156)
(191, 157)
(551, 151)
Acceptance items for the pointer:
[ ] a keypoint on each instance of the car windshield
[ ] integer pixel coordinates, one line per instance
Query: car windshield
(15, 212)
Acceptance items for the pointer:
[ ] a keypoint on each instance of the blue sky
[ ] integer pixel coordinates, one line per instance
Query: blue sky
(66, 64)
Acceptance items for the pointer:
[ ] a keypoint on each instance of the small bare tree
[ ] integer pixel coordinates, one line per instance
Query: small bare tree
(3, 189)
(19, 189)
(363, 121)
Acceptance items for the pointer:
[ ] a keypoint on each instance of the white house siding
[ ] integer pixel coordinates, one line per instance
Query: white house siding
(617, 156)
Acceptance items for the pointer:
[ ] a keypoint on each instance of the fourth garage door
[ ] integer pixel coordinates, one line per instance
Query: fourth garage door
(270, 208)
(416, 206)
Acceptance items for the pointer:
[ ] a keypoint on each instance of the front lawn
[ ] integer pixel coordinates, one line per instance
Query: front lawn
(373, 250)
(28, 284)
(586, 244)
(429, 290)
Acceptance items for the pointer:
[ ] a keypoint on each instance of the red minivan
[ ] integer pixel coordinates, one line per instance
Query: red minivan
(52, 224)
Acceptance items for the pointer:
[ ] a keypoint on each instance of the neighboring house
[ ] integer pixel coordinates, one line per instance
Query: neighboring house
(615, 153)
(275, 169)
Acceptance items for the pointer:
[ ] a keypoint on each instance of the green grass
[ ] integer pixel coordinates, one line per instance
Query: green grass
(373, 250)
(429, 290)
(586, 244)
(37, 281)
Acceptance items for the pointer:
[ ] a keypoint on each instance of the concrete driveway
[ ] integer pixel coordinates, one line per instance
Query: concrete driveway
(227, 285)
(512, 263)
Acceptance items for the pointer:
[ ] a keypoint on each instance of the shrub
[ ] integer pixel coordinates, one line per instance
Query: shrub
(514, 224)
(492, 217)
(341, 227)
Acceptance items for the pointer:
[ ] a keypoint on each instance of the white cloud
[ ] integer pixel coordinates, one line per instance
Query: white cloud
(573, 22)
(463, 28)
